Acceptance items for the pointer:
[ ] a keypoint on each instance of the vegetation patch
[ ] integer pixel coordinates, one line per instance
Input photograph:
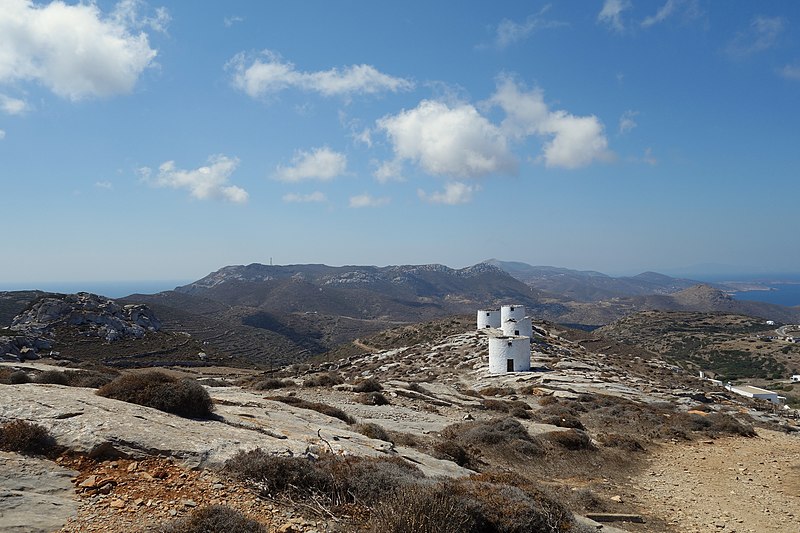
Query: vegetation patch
(368, 385)
(26, 438)
(184, 397)
(214, 519)
(323, 408)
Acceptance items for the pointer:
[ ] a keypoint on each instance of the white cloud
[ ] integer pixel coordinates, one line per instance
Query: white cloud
(574, 141)
(762, 34)
(627, 122)
(454, 193)
(449, 141)
(662, 14)
(230, 21)
(313, 197)
(367, 200)
(2, 135)
(611, 13)
(103, 185)
(128, 13)
(391, 170)
(509, 32)
(209, 182)
(791, 72)
(12, 106)
(73, 50)
(319, 164)
(269, 74)
(648, 157)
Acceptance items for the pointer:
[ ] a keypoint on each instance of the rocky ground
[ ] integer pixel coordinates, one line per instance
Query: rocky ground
(130, 467)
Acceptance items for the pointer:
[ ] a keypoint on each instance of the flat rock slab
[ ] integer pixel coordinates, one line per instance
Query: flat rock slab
(35, 494)
(86, 423)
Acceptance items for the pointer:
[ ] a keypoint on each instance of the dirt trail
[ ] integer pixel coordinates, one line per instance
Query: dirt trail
(725, 485)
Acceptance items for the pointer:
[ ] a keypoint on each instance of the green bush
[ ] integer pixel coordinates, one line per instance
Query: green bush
(155, 389)
(214, 519)
(26, 438)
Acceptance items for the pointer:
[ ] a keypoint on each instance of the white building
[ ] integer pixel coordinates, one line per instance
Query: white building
(509, 354)
(795, 378)
(509, 332)
(518, 327)
(488, 318)
(755, 393)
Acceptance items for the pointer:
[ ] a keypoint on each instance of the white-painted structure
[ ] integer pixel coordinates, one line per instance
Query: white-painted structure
(795, 378)
(520, 328)
(756, 393)
(488, 318)
(509, 354)
(507, 312)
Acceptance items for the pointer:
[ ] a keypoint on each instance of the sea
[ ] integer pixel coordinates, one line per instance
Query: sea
(110, 289)
(784, 288)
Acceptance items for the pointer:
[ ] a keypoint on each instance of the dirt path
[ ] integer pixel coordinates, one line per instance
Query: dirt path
(725, 485)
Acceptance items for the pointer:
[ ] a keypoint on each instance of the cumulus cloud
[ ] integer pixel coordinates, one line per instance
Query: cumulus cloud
(627, 122)
(572, 141)
(662, 14)
(367, 200)
(762, 34)
(208, 182)
(319, 164)
(12, 106)
(269, 74)
(457, 141)
(509, 32)
(73, 50)
(791, 72)
(103, 185)
(611, 14)
(449, 141)
(313, 197)
(391, 170)
(455, 192)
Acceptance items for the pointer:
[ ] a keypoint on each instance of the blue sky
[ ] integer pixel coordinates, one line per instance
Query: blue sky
(163, 140)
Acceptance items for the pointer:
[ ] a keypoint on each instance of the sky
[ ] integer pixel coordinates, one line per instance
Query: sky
(151, 140)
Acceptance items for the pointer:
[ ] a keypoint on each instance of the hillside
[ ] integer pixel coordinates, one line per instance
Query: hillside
(731, 346)
(588, 285)
(593, 432)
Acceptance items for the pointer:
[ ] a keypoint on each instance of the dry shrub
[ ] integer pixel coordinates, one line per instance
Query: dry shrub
(324, 380)
(510, 503)
(214, 519)
(19, 377)
(368, 385)
(272, 383)
(622, 442)
(422, 509)
(518, 412)
(335, 480)
(154, 389)
(372, 398)
(26, 438)
(497, 391)
(584, 499)
(416, 387)
(274, 475)
(495, 405)
(322, 408)
(714, 424)
(453, 451)
(471, 392)
(547, 400)
(53, 377)
(92, 379)
(504, 436)
(373, 431)
(572, 439)
(564, 421)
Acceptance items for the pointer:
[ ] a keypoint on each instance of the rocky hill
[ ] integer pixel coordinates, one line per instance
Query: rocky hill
(576, 436)
(588, 285)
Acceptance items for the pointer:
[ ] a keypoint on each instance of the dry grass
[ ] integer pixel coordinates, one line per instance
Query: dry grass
(322, 408)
